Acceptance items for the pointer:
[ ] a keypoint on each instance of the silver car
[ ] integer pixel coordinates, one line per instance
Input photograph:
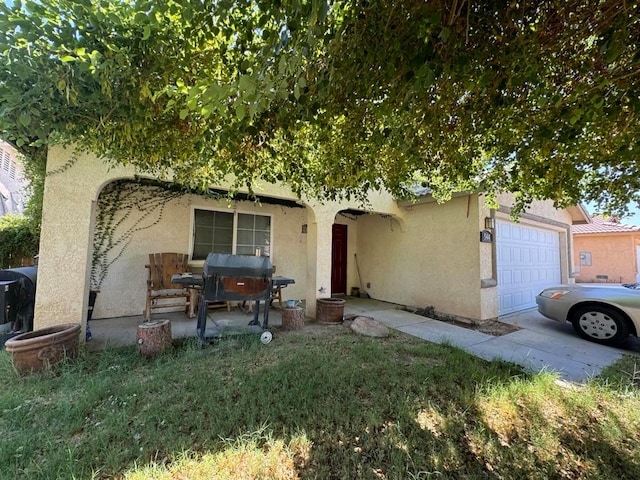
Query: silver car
(604, 314)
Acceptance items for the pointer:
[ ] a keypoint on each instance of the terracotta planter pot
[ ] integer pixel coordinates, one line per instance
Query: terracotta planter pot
(33, 351)
(330, 310)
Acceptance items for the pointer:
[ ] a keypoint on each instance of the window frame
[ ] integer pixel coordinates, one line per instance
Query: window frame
(235, 213)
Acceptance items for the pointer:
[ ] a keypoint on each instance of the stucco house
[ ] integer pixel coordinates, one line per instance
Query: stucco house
(13, 195)
(606, 251)
(460, 257)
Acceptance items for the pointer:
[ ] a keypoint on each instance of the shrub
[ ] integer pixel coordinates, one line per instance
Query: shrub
(17, 240)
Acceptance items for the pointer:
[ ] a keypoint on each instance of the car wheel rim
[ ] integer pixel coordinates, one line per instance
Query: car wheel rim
(598, 325)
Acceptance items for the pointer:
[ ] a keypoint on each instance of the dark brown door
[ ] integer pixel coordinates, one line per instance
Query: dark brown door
(339, 259)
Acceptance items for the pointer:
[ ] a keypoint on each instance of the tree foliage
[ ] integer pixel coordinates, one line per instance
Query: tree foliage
(539, 98)
(17, 240)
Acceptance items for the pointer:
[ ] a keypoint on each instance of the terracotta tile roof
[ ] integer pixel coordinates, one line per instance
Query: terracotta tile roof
(600, 225)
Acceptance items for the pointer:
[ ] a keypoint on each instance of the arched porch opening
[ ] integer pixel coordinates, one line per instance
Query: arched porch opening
(137, 218)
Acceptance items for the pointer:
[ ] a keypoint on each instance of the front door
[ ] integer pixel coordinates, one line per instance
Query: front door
(339, 259)
(638, 263)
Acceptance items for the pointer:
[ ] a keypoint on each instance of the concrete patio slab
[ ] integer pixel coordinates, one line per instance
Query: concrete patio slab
(115, 332)
(357, 305)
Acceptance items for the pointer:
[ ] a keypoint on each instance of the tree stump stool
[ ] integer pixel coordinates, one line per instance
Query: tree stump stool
(292, 318)
(153, 338)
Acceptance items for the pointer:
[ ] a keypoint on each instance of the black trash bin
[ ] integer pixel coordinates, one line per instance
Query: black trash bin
(17, 298)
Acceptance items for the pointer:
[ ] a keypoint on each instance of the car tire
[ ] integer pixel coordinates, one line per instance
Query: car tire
(600, 324)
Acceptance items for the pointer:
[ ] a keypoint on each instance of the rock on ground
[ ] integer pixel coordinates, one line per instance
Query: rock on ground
(369, 327)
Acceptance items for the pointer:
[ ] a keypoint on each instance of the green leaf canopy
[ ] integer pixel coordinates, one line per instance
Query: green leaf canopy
(335, 98)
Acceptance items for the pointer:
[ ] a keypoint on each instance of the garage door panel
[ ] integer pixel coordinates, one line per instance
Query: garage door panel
(535, 276)
(517, 277)
(528, 261)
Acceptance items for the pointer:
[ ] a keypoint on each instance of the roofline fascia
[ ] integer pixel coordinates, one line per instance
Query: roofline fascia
(428, 198)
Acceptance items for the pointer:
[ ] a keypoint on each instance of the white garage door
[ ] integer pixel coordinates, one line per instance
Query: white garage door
(528, 261)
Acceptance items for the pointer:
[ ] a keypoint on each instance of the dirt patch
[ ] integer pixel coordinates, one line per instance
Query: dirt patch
(489, 327)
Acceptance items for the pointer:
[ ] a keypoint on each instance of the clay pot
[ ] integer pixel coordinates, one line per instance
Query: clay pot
(330, 310)
(39, 349)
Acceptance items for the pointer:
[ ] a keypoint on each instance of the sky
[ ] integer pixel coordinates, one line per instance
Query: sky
(635, 219)
(634, 211)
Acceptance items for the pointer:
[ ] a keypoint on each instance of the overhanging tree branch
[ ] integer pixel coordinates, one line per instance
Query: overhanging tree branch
(538, 98)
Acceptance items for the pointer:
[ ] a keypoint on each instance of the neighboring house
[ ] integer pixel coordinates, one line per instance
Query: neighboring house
(460, 257)
(12, 182)
(606, 251)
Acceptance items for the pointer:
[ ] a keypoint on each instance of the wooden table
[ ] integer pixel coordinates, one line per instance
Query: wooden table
(277, 284)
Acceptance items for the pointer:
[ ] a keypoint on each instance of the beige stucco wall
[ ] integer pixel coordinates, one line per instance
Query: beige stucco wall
(611, 255)
(434, 260)
(543, 209)
(70, 190)
(320, 218)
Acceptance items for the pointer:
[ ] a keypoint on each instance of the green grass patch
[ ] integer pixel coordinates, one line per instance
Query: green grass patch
(312, 404)
(624, 373)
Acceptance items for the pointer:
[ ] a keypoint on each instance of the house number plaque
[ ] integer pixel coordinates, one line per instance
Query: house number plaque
(486, 236)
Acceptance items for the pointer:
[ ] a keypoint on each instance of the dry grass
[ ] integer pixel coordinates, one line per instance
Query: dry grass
(320, 403)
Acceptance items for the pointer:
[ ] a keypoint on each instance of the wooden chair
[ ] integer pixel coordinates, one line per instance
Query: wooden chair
(276, 294)
(160, 290)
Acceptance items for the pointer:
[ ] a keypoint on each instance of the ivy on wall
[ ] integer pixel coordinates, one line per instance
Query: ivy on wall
(124, 209)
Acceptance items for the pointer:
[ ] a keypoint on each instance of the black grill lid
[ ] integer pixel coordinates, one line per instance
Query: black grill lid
(225, 265)
(26, 275)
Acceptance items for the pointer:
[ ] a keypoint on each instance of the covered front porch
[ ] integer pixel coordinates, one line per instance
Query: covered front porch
(121, 331)
(297, 234)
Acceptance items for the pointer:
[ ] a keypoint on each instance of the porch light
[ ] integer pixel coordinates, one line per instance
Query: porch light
(489, 223)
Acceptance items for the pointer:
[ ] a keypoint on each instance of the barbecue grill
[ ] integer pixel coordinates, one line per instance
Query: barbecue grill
(235, 278)
(17, 298)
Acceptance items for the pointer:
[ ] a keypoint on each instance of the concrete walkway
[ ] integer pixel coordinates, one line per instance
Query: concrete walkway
(539, 345)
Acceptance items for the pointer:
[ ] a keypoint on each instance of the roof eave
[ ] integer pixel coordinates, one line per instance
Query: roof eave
(579, 214)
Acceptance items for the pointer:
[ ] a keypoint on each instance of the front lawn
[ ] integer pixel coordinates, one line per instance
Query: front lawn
(320, 403)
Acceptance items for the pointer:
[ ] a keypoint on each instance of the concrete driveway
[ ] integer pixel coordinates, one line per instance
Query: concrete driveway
(540, 344)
